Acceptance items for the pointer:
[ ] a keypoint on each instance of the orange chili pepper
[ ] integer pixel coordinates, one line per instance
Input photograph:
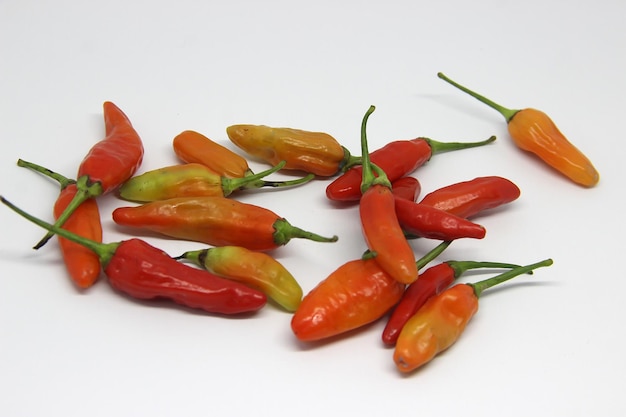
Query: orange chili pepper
(314, 152)
(532, 130)
(443, 318)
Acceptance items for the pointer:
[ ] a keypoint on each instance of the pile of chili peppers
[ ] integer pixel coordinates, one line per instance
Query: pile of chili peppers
(235, 272)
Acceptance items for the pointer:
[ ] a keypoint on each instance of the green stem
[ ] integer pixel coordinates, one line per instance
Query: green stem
(507, 113)
(105, 251)
(459, 267)
(436, 251)
(249, 181)
(481, 286)
(368, 177)
(284, 232)
(62, 180)
(348, 160)
(280, 184)
(438, 147)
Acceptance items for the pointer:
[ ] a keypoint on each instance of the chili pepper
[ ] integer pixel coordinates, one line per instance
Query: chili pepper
(83, 266)
(145, 272)
(468, 198)
(379, 222)
(108, 164)
(314, 152)
(217, 221)
(443, 318)
(534, 131)
(420, 220)
(253, 268)
(431, 282)
(398, 158)
(408, 188)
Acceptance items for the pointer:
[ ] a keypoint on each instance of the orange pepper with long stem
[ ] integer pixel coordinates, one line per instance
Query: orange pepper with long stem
(443, 318)
(534, 131)
(381, 229)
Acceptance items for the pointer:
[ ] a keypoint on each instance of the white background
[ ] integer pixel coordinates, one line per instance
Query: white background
(547, 345)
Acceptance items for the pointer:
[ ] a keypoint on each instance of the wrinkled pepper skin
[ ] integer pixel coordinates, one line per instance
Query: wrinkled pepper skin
(469, 198)
(313, 152)
(355, 294)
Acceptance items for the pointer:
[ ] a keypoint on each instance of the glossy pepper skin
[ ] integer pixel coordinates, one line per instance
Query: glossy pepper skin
(534, 131)
(398, 159)
(313, 152)
(256, 269)
(216, 221)
(408, 188)
(469, 198)
(145, 272)
(443, 318)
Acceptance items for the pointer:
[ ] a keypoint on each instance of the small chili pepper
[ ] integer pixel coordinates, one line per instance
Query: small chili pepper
(108, 164)
(398, 159)
(253, 268)
(379, 222)
(420, 220)
(443, 318)
(534, 131)
(216, 221)
(468, 198)
(83, 266)
(431, 282)
(314, 152)
(145, 272)
(408, 188)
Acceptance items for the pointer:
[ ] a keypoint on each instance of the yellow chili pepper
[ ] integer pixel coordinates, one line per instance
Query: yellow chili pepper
(533, 131)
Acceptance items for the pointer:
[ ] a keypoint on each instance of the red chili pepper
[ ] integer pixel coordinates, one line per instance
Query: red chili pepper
(216, 221)
(468, 198)
(408, 188)
(420, 220)
(443, 318)
(431, 282)
(142, 271)
(398, 159)
(379, 222)
(108, 164)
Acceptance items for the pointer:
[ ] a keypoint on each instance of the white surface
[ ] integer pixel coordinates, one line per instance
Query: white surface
(548, 345)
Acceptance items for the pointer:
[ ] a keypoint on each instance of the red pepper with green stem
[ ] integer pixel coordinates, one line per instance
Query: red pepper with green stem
(442, 319)
(398, 159)
(145, 272)
(534, 131)
(379, 222)
(108, 164)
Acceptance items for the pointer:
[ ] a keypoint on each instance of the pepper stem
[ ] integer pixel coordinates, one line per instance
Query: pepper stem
(368, 177)
(249, 181)
(62, 180)
(436, 251)
(289, 183)
(284, 232)
(439, 147)
(481, 286)
(105, 251)
(507, 113)
(459, 267)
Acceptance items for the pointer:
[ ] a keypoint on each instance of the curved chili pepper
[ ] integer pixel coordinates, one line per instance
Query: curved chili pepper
(379, 222)
(145, 272)
(534, 131)
(443, 318)
(420, 220)
(314, 152)
(398, 159)
(431, 282)
(468, 198)
(83, 266)
(408, 188)
(108, 164)
(253, 268)
(217, 221)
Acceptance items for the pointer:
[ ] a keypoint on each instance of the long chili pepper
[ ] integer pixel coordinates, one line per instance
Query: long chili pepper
(420, 220)
(379, 222)
(443, 318)
(357, 293)
(83, 266)
(468, 198)
(398, 159)
(145, 272)
(314, 152)
(217, 221)
(108, 163)
(534, 131)
(253, 268)
(431, 282)
(408, 188)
